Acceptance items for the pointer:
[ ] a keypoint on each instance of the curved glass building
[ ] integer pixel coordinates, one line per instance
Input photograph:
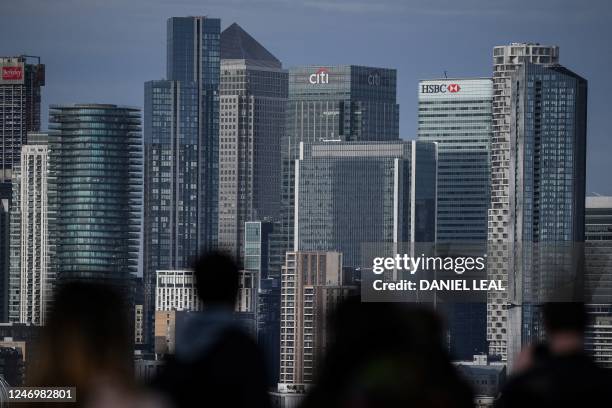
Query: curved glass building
(96, 178)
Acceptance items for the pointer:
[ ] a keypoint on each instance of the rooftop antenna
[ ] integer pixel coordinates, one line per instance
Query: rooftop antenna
(445, 76)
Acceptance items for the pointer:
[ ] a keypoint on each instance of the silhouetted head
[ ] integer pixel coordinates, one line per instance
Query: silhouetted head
(87, 338)
(217, 277)
(564, 317)
(387, 355)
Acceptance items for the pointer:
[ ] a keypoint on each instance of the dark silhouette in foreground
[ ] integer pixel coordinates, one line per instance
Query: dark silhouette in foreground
(87, 344)
(558, 373)
(387, 355)
(216, 363)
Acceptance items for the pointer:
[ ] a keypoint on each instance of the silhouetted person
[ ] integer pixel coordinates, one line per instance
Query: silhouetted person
(216, 363)
(387, 355)
(87, 343)
(558, 373)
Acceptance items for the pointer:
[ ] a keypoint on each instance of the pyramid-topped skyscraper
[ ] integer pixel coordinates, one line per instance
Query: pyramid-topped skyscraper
(253, 94)
(237, 44)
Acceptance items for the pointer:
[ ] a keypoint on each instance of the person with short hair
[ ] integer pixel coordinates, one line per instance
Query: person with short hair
(216, 362)
(558, 373)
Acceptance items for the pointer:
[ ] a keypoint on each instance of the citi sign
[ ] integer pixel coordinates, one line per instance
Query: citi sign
(319, 77)
(434, 89)
(12, 73)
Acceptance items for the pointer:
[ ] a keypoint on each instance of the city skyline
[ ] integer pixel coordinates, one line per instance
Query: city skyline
(120, 67)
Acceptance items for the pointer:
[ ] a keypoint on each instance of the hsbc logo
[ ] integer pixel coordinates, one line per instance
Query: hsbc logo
(319, 77)
(434, 89)
(12, 73)
(452, 88)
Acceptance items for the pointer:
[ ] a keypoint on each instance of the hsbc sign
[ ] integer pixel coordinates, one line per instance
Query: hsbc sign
(440, 88)
(319, 77)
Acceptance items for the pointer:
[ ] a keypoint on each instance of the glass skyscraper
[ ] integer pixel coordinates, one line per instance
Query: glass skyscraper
(264, 258)
(348, 194)
(548, 155)
(456, 114)
(343, 103)
(193, 55)
(181, 135)
(171, 177)
(506, 60)
(95, 163)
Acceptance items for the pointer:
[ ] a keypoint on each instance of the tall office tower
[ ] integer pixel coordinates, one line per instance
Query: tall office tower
(20, 84)
(598, 279)
(253, 97)
(312, 286)
(95, 159)
(193, 55)
(171, 180)
(264, 257)
(500, 261)
(21, 80)
(547, 184)
(456, 114)
(344, 103)
(30, 278)
(181, 134)
(348, 194)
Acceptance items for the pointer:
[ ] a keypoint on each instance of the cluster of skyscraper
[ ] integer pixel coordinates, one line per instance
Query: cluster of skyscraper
(292, 172)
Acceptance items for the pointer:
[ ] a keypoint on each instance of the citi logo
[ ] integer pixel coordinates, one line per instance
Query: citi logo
(319, 77)
(451, 88)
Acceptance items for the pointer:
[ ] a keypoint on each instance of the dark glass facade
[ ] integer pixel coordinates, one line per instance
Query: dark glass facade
(181, 133)
(344, 103)
(95, 163)
(355, 193)
(193, 55)
(549, 132)
(264, 259)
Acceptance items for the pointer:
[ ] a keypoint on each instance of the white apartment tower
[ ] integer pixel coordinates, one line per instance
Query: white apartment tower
(30, 277)
(501, 216)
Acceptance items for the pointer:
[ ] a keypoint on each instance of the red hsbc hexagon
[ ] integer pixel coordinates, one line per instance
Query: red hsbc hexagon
(453, 88)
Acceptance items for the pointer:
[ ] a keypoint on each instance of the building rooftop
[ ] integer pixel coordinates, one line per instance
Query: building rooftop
(238, 44)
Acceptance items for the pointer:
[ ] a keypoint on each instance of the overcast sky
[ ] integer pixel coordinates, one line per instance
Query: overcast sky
(104, 50)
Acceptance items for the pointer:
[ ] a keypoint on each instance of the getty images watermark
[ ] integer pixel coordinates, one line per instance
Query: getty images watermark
(521, 272)
(404, 263)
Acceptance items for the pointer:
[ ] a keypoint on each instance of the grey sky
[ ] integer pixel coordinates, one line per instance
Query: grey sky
(104, 50)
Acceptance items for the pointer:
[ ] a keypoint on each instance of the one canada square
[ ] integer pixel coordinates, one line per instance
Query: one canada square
(253, 97)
